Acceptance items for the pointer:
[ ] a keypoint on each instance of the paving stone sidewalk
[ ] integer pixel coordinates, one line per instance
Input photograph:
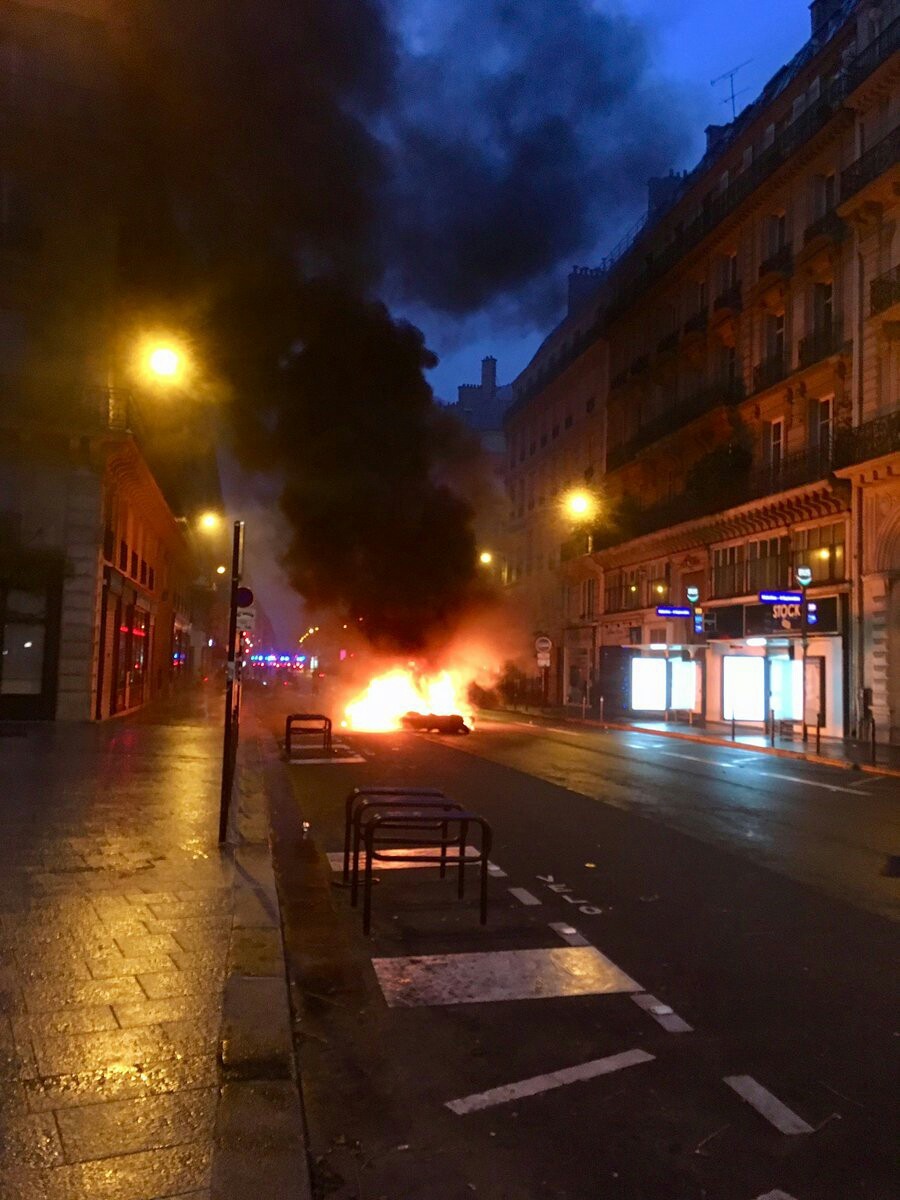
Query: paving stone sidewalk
(116, 932)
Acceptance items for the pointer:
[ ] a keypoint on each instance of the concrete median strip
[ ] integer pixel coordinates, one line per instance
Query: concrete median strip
(545, 1083)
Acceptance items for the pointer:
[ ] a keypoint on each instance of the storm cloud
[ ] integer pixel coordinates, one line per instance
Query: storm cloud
(287, 162)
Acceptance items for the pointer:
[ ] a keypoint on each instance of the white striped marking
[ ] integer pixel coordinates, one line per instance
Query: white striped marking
(663, 1014)
(767, 1105)
(710, 762)
(336, 858)
(545, 1083)
(496, 871)
(523, 896)
(776, 1195)
(828, 787)
(569, 933)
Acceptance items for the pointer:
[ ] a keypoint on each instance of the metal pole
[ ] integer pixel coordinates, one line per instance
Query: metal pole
(232, 685)
(772, 726)
(818, 733)
(805, 640)
(733, 738)
(874, 740)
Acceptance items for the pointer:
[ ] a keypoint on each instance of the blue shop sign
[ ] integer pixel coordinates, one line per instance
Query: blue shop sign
(667, 611)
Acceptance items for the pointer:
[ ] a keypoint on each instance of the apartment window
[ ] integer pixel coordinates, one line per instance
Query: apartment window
(134, 564)
(143, 571)
(823, 305)
(821, 423)
(775, 335)
(730, 365)
(589, 405)
(728, 571)
(766, 564)
(589, 598)
(123, 556)
(777, 233)
(822, 549)
(731, 271)
(825, 193)
(151, 579)
(775, 447)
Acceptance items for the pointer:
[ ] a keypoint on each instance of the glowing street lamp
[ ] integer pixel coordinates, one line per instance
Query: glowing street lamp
(164, 362)
(220, 570)
(485, 558)
(209, 522)
(579, 505)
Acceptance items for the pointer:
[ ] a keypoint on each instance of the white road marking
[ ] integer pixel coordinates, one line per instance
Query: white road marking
(308, 762)
(776, 1195)
(523, 895)
(569, 933)
(496, 871)
(663, 1014)
(767, 1105)
(710, 762)
(336, 858)
(829, 787)
(545, 1083)
(493, 975)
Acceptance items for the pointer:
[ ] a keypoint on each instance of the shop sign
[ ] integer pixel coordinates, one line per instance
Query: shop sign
(666, 610)
(787, 617)
(781, 597)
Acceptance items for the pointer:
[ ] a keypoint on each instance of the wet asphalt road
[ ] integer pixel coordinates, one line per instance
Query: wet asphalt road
(750, 904)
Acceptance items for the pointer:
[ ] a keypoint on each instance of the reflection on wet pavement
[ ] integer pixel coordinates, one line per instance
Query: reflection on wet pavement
(114, 923)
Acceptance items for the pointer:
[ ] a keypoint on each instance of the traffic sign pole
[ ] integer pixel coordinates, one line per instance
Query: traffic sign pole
(232, 682)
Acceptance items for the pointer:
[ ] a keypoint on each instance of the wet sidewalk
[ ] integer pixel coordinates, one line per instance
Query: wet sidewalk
(117, 919)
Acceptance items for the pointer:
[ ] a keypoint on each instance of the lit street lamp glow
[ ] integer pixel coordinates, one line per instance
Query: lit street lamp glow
(485, 558)
(164, 362)
(210, 521)
(579, 505)
(220, 570)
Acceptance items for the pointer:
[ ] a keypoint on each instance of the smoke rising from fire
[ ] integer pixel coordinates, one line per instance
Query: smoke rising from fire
(285, 162)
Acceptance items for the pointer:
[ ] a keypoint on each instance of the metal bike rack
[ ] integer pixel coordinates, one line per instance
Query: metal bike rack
(401, 793)
(307, 723)
(431, 811)
(398, 825)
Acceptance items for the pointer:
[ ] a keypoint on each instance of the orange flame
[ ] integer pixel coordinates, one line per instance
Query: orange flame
(388, 697)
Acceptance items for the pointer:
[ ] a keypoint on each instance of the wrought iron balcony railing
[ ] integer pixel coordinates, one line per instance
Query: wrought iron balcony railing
(885, 291)
(821, 343)
(697, 322)
(731, 298)
(770, 371)
(829, 225)
(780, 261)
(878, 159)
(873, 439)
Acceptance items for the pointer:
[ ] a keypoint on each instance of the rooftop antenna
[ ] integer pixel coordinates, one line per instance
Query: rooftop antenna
(729, 75)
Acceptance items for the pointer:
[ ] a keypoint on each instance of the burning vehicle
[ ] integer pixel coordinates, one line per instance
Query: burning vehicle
(434, 723)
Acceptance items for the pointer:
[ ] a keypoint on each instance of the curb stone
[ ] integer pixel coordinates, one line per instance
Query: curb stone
(260, 1144)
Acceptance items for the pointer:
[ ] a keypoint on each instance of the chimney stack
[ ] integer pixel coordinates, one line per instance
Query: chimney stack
(488, 376)
(662, 192)
(821, 12)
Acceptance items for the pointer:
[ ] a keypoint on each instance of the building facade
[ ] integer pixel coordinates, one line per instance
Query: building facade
(744, 357)
(102, 591)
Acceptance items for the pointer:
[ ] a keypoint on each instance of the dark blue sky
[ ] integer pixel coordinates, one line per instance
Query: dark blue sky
(692, 42)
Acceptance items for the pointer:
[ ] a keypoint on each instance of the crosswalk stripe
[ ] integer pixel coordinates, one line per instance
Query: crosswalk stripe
(776, 1195)
(569, 933)
(545, 1083)
(663, 1014)
(767, 1105)
(523, 896)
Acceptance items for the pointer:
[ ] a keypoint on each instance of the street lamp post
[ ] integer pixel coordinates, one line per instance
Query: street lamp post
(804, 579)
(232, 683)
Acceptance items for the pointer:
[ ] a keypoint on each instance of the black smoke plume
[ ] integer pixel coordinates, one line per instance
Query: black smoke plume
(284, 161)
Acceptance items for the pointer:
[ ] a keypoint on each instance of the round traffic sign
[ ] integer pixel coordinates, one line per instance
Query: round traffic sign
(543, 644)
(244, 597)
